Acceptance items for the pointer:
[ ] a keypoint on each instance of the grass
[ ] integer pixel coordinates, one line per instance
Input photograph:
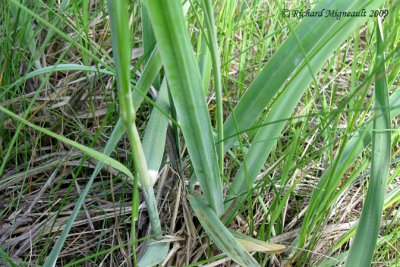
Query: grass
(212, 133)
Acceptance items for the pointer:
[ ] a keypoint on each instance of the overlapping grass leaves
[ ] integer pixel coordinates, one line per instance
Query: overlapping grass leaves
(363, 246)
(186, 88)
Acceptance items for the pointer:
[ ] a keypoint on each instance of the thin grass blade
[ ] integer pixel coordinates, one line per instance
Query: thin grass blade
(363, 246)
(322, 194)
(317, 48)
(309, 38)
(60, 33)
(216, 67)
(149, 74)
(87, 150)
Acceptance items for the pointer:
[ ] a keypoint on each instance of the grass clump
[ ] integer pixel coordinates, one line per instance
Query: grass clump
(198, 133)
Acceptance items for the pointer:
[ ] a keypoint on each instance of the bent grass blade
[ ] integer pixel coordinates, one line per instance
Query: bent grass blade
(87, 150)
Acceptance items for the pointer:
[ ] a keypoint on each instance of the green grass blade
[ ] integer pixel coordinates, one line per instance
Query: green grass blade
(110, 146)
(87, 150)
(390, 199)
(5, 259)
(318, 47)
(51, 260)
(59, 67)
(155, 253)
(339, 259)
(149, 40)
(155, 134)
(205, 64)
(314, 35)
(222, 237)
(363, 247)
(119, 20)
(149, 74)
(186, 88)
(120, 34)
(216, 63)
(59, 32)
(324, 194)
(79, 262)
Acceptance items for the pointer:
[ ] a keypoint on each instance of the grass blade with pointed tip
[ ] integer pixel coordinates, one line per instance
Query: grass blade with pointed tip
(255, 245)
(222, 237)
(186, 88)
(87, 150)
(363, 246)
(318, 47)
(155, 134)
(59, 32)
(313, 34)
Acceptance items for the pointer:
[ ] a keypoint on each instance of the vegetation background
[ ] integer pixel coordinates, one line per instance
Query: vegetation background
(269, 117)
